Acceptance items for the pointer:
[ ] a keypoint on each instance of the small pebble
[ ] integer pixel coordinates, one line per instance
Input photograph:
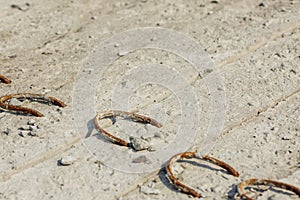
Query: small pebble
(31, 122)
(147, 190)
(88, 70)
(34, 133)
(215, 1)
(122, 53)
(139, 144)
(12, 56)
(261, 4)
(33, 128)
(151, 148)
(46, 91)
(59, 110)
(151, 184)
(67, 160)
(7, 131)
(288, 136)
(26, 127)
(24, 133)
(23, 7)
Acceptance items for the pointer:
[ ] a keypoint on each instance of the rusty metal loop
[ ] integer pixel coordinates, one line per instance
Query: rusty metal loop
(187, 189)
(112, 114)
(255, 181)
(4, 104)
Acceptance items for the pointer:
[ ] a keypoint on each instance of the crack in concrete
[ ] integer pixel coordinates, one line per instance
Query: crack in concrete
(259, 113)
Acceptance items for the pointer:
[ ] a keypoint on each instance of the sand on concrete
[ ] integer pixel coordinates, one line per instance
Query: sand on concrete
(254, 45)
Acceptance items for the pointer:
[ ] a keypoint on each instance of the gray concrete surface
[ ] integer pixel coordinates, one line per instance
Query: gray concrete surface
(255, 45)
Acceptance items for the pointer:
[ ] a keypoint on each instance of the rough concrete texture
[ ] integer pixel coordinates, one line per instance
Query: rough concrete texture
(255, 45)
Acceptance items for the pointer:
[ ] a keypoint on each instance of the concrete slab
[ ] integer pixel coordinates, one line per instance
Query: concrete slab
(254, 45)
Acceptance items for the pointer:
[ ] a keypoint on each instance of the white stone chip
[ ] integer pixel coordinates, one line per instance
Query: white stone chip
(139, 144)
(67, 160)
(122, 53)
(24, 133)
(31, 122)
(147, 190)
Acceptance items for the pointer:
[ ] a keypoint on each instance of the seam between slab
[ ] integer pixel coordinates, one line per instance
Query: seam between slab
(40, 158)
(260, 112)
(257, 45)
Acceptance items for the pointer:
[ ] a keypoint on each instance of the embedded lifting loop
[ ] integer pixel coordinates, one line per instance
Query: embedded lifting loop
(4, 102)
(127, 116)
(4, 79)
(255, 181)
(186, 189)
